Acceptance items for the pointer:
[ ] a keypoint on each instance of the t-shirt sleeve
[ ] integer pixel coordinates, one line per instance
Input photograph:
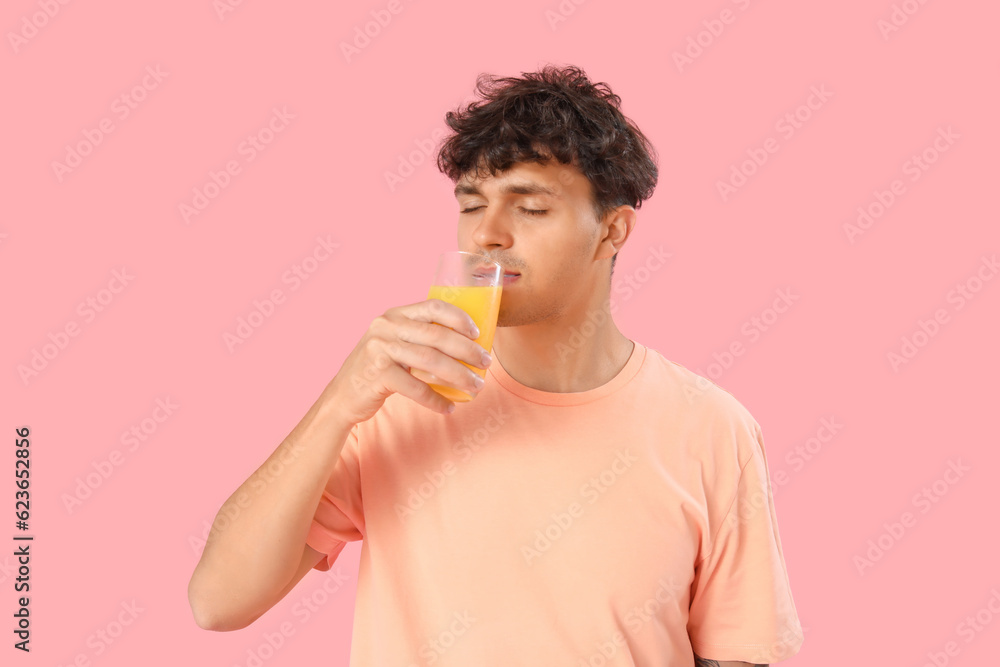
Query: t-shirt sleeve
(741, 604)
(339, 517)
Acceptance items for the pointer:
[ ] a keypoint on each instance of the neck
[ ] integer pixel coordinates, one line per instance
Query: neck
(555, 355)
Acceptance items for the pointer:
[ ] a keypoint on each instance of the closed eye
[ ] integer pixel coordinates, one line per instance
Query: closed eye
(529, 211)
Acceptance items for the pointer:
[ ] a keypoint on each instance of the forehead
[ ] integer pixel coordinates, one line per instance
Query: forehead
(529, 178)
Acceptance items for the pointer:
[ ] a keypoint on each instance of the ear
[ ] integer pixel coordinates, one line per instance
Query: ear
(617, 225)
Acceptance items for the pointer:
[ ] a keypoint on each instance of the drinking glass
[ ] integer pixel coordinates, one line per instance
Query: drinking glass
(473, 283)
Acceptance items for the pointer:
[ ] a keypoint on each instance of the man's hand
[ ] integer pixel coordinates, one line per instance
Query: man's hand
(408, 337)
(702, 662)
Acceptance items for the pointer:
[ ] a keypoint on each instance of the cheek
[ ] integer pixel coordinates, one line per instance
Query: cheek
(583, 243)
(464, 228)
(558, 254)
(564, 235)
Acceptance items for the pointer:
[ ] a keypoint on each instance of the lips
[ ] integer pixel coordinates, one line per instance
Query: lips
(484, 271)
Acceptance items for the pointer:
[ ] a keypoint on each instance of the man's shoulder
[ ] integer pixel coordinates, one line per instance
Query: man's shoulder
(698, 395)
(726, 433)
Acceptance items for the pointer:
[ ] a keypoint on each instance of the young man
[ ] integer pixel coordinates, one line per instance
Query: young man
(595, 504)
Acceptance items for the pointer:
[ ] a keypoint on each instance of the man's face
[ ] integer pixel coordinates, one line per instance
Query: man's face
(537, 220)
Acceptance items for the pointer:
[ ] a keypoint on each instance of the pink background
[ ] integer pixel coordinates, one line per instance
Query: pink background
(62, 237)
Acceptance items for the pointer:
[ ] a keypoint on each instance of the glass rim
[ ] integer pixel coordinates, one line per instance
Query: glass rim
(477, 265)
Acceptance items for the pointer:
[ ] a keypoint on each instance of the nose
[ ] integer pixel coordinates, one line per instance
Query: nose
(492, 232)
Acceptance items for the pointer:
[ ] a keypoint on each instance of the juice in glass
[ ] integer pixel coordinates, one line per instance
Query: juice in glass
(483, 305)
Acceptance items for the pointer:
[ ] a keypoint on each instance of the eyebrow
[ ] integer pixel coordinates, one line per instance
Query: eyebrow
(511, 189)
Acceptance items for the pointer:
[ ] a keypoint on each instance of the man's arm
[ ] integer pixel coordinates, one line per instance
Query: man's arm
(702, 662)
(256, 550)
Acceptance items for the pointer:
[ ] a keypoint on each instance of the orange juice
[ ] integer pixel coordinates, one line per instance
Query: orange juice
(483, 305)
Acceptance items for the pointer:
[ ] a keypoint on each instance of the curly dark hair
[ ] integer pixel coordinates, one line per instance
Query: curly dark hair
(552, 113)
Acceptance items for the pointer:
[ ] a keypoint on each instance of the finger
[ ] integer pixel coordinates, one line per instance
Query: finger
(435, 362)
(442, 312)
(449, 342)
(401, 382)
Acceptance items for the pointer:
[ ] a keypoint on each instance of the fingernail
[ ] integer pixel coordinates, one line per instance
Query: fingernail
(487, 359)
(475, 331)
(479, 382)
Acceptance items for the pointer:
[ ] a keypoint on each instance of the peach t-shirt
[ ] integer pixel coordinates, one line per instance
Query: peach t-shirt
(631, 524)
